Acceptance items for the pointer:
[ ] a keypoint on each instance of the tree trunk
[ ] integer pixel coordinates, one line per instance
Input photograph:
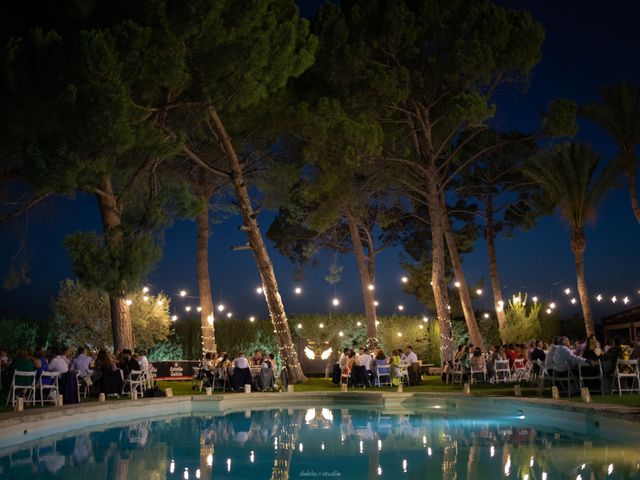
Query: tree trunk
(365, 280)
(578, 245)
(111, 225)
(438, 276)
(256, 243)
(287, 437)
(493, 271)
(463, 290)
(202, 264)
(630, 174)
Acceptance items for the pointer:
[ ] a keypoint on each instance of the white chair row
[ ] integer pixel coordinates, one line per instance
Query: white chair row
(25, 385)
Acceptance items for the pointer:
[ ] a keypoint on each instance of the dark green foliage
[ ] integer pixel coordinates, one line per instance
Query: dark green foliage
(18, 332)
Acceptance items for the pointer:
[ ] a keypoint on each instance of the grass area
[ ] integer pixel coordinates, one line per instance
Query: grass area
(429, 384)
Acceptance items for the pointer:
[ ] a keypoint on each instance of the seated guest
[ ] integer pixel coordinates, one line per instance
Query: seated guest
(591, 349)
(41, 364)
(395, 358)
(106, 376)
(537, 355)
(59, 362)
(564, 359)
(257, 357)
(223, 364)
(23, 363)
(127, 363)
(550, 358)
(81, 363)
(207, 367)
(143, 360)
(241, 372)
(218, 362)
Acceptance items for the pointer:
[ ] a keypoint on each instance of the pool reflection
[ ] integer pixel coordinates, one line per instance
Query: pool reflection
(325, 442)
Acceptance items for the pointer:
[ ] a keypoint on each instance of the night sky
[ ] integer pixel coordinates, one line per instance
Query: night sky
(587, 45)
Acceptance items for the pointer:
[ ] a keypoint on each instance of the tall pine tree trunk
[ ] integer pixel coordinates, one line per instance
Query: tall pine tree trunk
(463, 289)
(202, 265)
(112, 227)
(365, 279)
(630, 175)
(256, 243)
(438, 275)
(578, 245)
(496, 288)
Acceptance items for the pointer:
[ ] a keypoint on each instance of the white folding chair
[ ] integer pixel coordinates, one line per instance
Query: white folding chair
(566, 377)
(482, 370)
(134, 382)
(83, 386)
(402, 372)
(520, 372)
(28, 390)
(544, 378)
(502, 371)
(383, 375)
(598, 376)
(52, 387)
(455, 375)
(626, 371)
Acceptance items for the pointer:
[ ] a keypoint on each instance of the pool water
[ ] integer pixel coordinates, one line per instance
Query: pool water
(325, 442)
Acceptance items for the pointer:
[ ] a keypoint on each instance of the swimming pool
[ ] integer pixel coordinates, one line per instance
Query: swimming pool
(337, 437)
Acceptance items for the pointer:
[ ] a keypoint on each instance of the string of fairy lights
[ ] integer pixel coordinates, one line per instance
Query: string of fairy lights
(548, 306)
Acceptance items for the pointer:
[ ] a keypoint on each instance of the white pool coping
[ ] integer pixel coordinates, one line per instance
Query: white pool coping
(18, 429)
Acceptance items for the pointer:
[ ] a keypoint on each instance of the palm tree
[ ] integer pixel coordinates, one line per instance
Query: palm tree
(574, 183)
(619, 115)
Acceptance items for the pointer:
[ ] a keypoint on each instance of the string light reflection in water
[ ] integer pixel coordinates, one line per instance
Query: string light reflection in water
(347, 443)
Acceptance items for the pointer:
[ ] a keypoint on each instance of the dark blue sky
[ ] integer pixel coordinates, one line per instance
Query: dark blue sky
(587, 44)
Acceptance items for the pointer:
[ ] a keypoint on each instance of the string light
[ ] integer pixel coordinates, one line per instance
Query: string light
(486, 315)
(299, 325)
(567, 291)
(145, 289)
(535, 299)
(404, 279)
(599, 298)
(456, 284)
(614, 299)
(341, 333)
(128, 302)
(160, 301)
(221, 308)
(199, 309)
(625, 300)
(229, 315)
(210, 319)
(479, 291)
(552, 305)
(573, 301)
(298, 290)
(401, 307)
(259, 290)
(252, 319)
(188, 309)
(548, 310)
(183, 293)
(399, 334)
(376, 303)
(335, 302)
(321, 325)
(145, 298)
(370, 287)
(420, 327)
(359, 323)
(174, 318)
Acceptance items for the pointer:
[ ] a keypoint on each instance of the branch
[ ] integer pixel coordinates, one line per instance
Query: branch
(198, 161)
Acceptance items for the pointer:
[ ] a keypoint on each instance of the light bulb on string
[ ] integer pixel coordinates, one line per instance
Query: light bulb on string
(456, 284)
(183, 293)
(599, 297)
(259, 290)
(567, 291)
(401, 307)
(399, 334)
(625, 300)
(160, 301)
(187, 308)
(404, 279)
(199, 309)
(376, 303)
(229, 314)
(535, 299)
(145, 289)
(128, 302)
(479, 291)
(425, 319)
(358, 324)
(552, 305)
(420, 327)
(221, 308)
(321, 325)
(486, 315)
(573, 301)
(341, 333)
(370, 287)
(299, 325)
(614, 299)
(252, 319)
(548, 310)
(335, 302)
(297, 290)
(174, 318)
(145, 298)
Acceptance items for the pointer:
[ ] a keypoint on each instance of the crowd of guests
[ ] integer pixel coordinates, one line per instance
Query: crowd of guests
(236, 373)
(99, 372)
(361, 366)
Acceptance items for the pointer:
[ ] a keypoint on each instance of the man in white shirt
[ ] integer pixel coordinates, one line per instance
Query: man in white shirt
(81, 363)
(59, 363)
(342, 362)
(241, 373)
(241, 361)
(411, 356)
(143, 360)
(364, 360)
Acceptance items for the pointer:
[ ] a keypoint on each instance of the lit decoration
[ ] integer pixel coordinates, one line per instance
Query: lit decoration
(479, 291)
(486, 315)
(599, 298)
(404, 279)
(567, 291)
(358, 323)
(420, 327)
(229, 315)
(326, 354)
(310, 355)
(145, 298)
(404, 465)
(610, 469)
(252, 456)
(625, 300)
(128, 302)
(377, 323)
(183, 293)
(456, 284)
(341, 333)
(535, 299)
(425, 319)
(376, 303)
(145, 290)
(552, 305)
(228, 464)
(573, 301)
(221, 308)
(198, 473)
(401, 307)
(186, 474)
(516, 300)
(614, 299)
(321, 325)
(399, 334)
(548, 310)
(297, 290)
(310, 415)
(174, 318)
(259, 290)
(160, 301)
(335, 302)
(252, 319)
(370, 287)
(300, 447)
(210, 319)
(199, 309)
(299, 325)
(187, 308)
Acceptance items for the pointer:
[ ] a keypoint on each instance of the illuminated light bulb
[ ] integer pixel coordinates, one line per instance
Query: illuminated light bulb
(401, 307)
(160, 301)
(449, 307)
(183, 293)
(322, 446)
(614, 299)
(145, 289)
(210, 319)
(252, 319)
(425, 319)
(199, 309)
(377, 323)
(299, 325)
(420, 327)
(424, 440)
(321, 325)
(567, 291)
(221, 308)
(548, 310)
(516, 300)
(187, 308)
(404, 279)
(535, 299)
(625, 300)
(128, 302)
(341, 333)
(370, 287)
(456, 284)
(479, 291)
(486, 315)
(573, 301)
(358, 324)
(599, 298)
(399, 334)
(376, 303)
(259, 290)
(335, 302)
(552, 305)
(174, 318)
(297, 291)
(145, 298)
(229, 315)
